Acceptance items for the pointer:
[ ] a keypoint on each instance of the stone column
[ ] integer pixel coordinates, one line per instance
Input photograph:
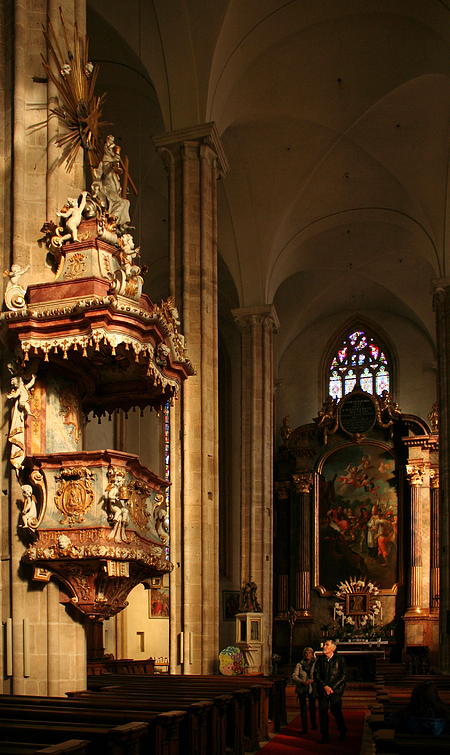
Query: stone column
(257, 325)
(441, 303)
(434, 550)
(195, 160)
(31, 196)
(415, 479)
(301, 541)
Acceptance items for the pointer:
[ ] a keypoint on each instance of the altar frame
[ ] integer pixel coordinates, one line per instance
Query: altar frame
(338, 460)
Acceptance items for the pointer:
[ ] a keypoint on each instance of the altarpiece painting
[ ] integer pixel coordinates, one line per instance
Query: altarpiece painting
(357, 515)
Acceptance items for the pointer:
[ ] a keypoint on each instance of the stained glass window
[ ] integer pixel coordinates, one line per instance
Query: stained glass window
(359, 360)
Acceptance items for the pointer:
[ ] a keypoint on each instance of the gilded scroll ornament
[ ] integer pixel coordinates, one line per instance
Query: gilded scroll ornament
(160, 519)
(137, 504)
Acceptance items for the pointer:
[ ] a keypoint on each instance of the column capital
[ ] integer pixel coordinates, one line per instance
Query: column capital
(303, 482)
(434, 479)
(263, 315)
(282, 490)
(205, 133)
(414, 474)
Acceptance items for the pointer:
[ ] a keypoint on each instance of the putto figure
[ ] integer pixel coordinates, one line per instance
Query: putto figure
(72, 214)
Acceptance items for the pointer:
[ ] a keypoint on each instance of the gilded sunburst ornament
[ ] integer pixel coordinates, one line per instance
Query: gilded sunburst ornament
(357, 603)
(80, 110)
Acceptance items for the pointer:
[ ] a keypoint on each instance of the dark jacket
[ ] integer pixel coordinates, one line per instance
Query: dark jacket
(330, 673)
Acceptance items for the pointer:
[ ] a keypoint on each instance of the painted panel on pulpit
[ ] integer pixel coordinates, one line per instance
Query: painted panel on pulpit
(357, 515)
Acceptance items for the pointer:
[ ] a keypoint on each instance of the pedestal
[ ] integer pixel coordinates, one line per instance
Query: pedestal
(250, 640)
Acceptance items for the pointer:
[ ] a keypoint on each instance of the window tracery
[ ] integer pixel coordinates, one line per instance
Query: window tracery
(359, 361)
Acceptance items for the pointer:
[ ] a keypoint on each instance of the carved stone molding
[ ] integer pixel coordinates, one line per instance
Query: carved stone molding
(251, 316)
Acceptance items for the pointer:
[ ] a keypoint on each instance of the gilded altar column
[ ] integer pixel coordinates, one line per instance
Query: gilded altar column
(195, 160)
(434, 550)
(301, 546)
(441, 302)
(414, 475)
(257, 325)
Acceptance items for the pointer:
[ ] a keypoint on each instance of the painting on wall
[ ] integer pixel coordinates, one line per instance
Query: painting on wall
(230, 604)
(357, 515)
(159, 603)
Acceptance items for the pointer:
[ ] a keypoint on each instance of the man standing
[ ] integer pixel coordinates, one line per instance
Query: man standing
(329, 675)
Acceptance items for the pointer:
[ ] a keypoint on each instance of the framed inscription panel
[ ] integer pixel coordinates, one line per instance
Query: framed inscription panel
(357, 518)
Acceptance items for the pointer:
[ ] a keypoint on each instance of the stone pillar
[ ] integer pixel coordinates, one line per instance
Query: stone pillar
(301, 545)
(195, 160)
(37, 663)
(257, 325)
(441, 303)
(434, 549)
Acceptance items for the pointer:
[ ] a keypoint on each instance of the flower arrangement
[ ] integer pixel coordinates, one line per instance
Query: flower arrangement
(276, 658)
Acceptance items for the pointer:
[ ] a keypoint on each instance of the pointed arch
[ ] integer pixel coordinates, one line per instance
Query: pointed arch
(359, 353)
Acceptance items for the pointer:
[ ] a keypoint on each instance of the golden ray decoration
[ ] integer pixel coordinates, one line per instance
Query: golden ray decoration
(80, 110)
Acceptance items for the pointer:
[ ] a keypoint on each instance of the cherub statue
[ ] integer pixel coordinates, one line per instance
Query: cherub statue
(389, 410)
(120, 516)
(21, 392)
(128, 256)
(29, 510)
(14, 292)
(15, 274)
(72, 213)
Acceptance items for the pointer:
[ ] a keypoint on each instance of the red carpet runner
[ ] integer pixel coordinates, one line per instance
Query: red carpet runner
(289, 740)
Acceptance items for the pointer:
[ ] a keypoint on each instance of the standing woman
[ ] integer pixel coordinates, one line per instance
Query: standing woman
(303, 680)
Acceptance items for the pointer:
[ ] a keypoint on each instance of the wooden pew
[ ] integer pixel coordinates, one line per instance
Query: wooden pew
(121, 666)
(254, 694)
(160, 732)
(226, 716)
(266, 713)
(114, 740)
(70, 747)
(388, 742)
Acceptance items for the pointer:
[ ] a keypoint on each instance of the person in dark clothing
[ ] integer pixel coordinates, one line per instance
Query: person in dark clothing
(303, 680)
(425, 713)
(329, 676)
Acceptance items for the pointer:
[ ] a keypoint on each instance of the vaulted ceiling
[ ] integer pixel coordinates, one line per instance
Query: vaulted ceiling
(335, 119)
